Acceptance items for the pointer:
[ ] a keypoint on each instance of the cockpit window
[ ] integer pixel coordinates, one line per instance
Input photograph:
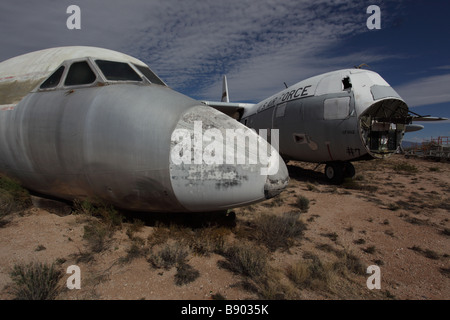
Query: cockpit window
(80, 73)
(53, 80)
(153, 78)
(117, 71)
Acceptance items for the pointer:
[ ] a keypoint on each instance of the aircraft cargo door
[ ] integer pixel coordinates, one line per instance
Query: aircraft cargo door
(288, 119)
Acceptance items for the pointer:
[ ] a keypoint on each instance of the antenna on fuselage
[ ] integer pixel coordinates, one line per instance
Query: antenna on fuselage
(361, 66)
(285, 85)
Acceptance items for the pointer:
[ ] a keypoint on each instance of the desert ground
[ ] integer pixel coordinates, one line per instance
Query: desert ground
(314, 241)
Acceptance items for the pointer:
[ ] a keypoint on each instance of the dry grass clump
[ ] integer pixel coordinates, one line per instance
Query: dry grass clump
(169, 256)
(35, 281)
(430, 254)
(13, 198)
(279, 231)
(354, 184)
(108, 215)
(97, 236)
(246, 260)
(252, 263)
(185, 274)
(102, 221)
(405, 167)
(174, 255)
(313, 274)
(136, 250)
(201, 241)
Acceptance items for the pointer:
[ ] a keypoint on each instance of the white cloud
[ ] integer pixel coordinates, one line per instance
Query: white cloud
(426, 91)
(191, 43)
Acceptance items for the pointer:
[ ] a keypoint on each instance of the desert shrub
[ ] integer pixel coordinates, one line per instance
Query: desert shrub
(135, 227)
(246, 260)
(96, 234)
(369, 249)
(159, 236)
(169, 256)
(405, 167)
(136, 250)
(331, 235)
(311, 274)
(299, 273)
(13, 197)
(349, 262)
(393, 206)
(35, 281)
(354, 184)
(278, 231)
(185, 274)
(430, 254)
(106, 212)
(205, 241)
(303, 203)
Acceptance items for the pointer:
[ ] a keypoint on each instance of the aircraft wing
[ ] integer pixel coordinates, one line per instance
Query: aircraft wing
(428, 118)
(417, 117)
(234, 110)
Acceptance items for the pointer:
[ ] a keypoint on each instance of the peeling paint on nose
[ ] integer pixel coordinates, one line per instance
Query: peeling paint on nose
(216, 162)
(276, 183)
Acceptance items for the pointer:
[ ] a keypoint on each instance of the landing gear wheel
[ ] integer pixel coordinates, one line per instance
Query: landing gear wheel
(349, 170)
(334, 171)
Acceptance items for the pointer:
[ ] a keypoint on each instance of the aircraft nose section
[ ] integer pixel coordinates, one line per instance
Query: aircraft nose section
(216, 163)
(278, 180)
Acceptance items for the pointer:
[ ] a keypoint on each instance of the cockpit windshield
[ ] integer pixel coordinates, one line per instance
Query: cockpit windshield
(80, 73)
(153, 78)
(93, 71)
(117, 71)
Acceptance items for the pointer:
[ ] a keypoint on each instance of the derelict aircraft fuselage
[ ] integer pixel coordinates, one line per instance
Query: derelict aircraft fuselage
(84, 122)
(333, 118)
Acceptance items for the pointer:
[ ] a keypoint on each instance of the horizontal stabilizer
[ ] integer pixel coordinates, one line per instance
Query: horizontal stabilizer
(413, 127)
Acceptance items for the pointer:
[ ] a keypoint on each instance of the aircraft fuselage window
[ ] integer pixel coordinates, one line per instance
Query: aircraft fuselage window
(80, 73)
(336, 108)
(149, 75)
(53, 80)
(117, 71)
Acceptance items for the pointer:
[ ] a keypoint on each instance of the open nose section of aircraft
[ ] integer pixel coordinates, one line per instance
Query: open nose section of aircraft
(382, 126)
(216, 163)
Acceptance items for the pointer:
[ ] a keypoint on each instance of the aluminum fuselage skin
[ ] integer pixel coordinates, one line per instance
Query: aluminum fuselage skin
(320, 118)
(112, 142)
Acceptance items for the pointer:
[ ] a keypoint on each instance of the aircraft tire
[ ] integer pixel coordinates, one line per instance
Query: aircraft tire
(334, 172)
(349, 170)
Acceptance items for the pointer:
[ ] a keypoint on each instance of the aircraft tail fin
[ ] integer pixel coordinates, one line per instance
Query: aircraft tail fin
(232, 109)
(225, 97)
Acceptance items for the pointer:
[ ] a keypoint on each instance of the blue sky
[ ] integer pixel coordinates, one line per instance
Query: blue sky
(258, 44)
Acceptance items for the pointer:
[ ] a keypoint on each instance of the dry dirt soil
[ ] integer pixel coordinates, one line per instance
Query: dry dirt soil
(394, 214)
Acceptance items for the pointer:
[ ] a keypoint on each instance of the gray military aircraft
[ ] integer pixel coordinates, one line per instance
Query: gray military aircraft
(333, 119)
(85, 122)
